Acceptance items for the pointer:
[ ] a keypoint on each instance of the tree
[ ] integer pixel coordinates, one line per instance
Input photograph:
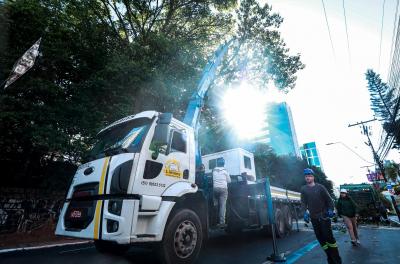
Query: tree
(102, 60)
(285, 171)
(385, 103)
(392, 170)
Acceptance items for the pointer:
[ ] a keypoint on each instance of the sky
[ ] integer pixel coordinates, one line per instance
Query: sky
(331, 92)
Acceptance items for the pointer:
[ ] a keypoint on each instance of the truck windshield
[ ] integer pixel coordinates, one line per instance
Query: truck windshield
(125, 137)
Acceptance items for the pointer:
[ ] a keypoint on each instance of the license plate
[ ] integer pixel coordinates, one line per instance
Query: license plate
(75, 214)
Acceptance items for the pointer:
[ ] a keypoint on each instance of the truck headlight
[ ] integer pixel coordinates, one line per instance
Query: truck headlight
(115, 207)
(112, 226)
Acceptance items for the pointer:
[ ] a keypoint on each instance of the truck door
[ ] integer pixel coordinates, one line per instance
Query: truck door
(171, 165)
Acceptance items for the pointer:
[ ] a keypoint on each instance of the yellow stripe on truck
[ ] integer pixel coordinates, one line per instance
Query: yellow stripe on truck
(100, 202)
(103, 175)
(97, 220)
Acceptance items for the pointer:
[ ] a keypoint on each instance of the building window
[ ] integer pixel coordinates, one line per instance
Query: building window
(212, 164)
(314, 152)
(247, 162)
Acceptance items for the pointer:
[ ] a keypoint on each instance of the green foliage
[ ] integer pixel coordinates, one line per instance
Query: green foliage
(385, 104)
(285, 171)
(384, 200)
(397, 189)
(102, 60)
(392, 170)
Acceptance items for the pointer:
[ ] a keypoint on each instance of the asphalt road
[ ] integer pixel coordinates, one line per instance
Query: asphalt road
(379, 245)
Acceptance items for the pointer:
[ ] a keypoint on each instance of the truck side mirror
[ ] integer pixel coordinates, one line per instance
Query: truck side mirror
(165, 118)
(161, 134)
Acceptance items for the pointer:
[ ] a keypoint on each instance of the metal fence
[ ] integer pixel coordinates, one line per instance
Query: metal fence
(24, 210)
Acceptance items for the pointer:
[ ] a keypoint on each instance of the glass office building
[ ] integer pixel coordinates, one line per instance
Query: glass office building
(310, 153)
(280, 133)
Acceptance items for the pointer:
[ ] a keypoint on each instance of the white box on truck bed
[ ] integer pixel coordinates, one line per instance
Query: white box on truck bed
(237, 162)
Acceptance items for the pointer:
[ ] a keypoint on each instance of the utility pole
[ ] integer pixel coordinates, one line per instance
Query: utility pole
(377, 159)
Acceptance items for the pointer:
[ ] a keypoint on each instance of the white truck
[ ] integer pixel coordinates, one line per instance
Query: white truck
(143, 182)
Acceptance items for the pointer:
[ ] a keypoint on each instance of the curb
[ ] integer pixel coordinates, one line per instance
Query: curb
(8, 250)
(396, 223)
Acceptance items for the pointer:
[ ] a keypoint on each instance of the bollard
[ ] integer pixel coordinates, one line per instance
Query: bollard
(275, 256)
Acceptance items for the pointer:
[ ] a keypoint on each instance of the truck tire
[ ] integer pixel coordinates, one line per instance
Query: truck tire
(107, 247)
(288, 218)
(183, 238)
(280, 228)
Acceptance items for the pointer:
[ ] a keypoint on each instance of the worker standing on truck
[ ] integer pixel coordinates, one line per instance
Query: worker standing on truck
(347, 208)
(221, 179)
(319, 208)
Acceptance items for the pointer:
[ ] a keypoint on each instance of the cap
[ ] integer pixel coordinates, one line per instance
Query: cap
(220, 162)
(308, 171)
(343, 190)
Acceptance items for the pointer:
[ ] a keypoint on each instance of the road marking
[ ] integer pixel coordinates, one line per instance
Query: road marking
(41, 247)
(73, 250)
(379, 227)
(292, 258)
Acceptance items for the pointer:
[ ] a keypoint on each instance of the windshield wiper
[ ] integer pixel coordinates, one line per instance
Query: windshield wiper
(110, 151)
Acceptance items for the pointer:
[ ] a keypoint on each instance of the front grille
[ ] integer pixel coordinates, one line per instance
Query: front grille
(80, 212)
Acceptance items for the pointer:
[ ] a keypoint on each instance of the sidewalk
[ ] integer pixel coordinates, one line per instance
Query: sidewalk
(42, 237)
(394, 219)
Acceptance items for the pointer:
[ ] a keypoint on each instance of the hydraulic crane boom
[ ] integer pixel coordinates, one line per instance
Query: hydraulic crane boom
(193, 110)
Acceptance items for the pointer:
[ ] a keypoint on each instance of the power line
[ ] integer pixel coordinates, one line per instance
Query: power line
(329, 30)
(347, 33)
(380, 42)
(394, 32)
(358, 155)
(387, 139)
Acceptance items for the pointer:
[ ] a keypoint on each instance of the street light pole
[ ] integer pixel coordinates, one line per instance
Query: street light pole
(344, 145)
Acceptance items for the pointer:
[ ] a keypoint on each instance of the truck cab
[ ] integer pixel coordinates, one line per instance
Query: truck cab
(136, 172)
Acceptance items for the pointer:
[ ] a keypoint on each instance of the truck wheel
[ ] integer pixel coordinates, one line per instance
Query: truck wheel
(280, 227)
(288, 218)
(183, 238)
(107, 247)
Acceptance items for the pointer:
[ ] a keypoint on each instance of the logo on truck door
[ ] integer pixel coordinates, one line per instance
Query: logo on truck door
(172, 169)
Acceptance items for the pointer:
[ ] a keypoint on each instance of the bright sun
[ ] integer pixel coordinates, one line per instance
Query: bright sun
(244, 108)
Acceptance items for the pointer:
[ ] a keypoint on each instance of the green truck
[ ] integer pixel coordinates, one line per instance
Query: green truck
(366, 199)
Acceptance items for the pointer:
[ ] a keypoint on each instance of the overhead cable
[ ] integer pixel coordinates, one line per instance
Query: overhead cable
(380, 42)
(393, 34)
(329, 30)
(347, 33)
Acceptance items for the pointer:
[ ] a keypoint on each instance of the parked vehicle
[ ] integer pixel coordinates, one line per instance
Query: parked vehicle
(366, 199)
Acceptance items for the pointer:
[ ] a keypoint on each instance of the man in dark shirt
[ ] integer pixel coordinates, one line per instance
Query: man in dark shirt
(318, 205)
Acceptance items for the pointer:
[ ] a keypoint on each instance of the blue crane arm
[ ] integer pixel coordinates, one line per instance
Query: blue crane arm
(192, 115)
(196, 102)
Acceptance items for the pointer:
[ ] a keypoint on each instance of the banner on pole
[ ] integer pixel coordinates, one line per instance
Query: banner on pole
(375, 176)
(24, 63)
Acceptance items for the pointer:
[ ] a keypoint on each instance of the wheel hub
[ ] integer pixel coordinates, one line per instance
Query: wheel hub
(185, 239)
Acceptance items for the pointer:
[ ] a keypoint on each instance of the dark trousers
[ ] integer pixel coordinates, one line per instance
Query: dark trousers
(323, 232)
